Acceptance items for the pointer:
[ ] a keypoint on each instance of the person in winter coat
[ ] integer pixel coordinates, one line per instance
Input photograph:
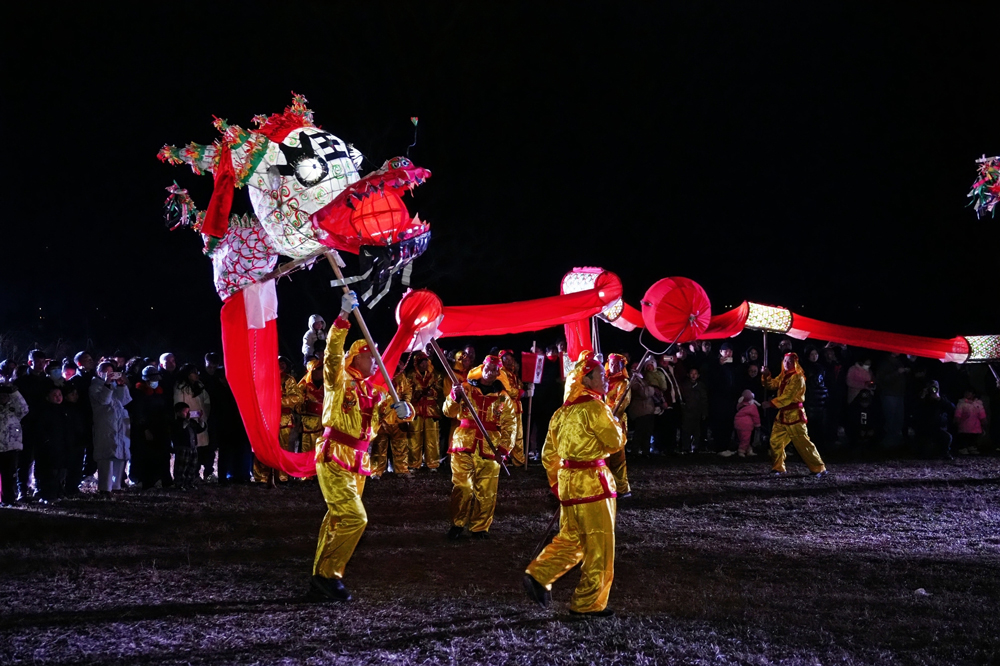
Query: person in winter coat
(859, 376)
(863, 421)
(80, 423)
(191, 392)
(152, 413)
(694, 394)
(640, 412)
(184, 437)
(934, 415)
(56, 438)
(747, 418)
(13, 408)
(314, 340)
(970, 417)
(817, 397)
(721, 379)
(112, 448)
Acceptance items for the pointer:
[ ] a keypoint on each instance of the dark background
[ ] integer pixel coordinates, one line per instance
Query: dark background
(812, 156)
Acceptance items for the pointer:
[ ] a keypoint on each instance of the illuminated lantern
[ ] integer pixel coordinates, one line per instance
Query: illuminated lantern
(768, 318)
(418, 315)
(676, 309)
(371, 212)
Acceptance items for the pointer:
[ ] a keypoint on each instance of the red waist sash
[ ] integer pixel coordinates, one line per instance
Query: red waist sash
(469, 423)
(584, 464)
(331, 434)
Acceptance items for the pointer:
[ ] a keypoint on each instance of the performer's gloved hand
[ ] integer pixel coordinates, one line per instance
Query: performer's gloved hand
(348, 302)
(403, 410)
(457, 393)
(765, 373)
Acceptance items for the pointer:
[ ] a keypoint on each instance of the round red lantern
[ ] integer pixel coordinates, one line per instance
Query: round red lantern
(676, 309)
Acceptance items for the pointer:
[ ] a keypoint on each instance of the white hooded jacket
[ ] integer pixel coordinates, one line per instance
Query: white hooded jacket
(313, 336)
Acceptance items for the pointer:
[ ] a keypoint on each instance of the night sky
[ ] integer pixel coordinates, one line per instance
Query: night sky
(815, 156)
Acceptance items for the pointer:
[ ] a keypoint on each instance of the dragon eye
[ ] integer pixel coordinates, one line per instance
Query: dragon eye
(310, 170)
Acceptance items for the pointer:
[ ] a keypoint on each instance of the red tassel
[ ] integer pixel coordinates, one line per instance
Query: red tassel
(217, 216)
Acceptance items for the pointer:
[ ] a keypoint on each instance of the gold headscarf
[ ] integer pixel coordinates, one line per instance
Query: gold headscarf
(477, 372)
(612, 357)
(358, 347)
(585, 364)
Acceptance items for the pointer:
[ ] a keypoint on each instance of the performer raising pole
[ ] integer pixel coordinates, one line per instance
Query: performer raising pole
(790, 421)
(582, 433)
(485, 412)
(351, 405)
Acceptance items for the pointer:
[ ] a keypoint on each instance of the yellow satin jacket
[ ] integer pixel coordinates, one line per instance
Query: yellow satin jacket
(791, 389)
(582, 433)
(352, 407)
(497, 413)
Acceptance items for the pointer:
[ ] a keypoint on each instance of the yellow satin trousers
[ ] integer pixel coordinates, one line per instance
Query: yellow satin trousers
(587, 535)
(344, 522)
(394, 440)
(474, 491)
(261, 472)
(517, 453)
(425, 443)
(782, 435)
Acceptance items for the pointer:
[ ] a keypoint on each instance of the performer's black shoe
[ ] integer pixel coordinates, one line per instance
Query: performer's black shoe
(607, 612)
(536, 591)
(331, 589)
(480, 536)
(819, 475)
(775, 474)
(455, 533)
(627, 495)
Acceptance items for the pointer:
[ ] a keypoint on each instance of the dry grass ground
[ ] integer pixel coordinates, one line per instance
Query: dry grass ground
(886, 563)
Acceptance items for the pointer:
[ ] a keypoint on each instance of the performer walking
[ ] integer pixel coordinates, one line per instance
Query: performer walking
(311, 408)
(790, 421)
(351, 407)
(291, 399)
(582, 433)
(512, 385)
(392, 436)
(618, 387)
(425, 436)
(475, 470)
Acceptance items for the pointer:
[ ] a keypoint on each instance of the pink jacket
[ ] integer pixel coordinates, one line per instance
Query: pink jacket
(970, 416)
(747, 417)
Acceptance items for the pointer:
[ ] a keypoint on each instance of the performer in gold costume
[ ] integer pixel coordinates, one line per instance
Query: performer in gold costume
(352, 405)
(512, 385)
(311, 411)
(392, 435)
(291, 399)
(617, 387)
(425, 435)
(790, 421)
(475, 470)
(582, 433)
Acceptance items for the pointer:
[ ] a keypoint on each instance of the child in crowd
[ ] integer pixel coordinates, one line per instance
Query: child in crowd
(746, 420)
(314, 340)
(184, 436)
(970, 416)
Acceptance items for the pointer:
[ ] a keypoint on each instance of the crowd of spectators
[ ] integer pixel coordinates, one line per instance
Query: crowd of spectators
(152, 423)
(121, 419)
(696, 398)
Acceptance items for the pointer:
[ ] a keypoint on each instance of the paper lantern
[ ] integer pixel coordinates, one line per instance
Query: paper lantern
(676, 309)
(768, 318)
(418, 314)
(588, 277)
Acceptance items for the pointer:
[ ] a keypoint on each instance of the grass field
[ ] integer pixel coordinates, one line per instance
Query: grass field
(880, 563)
